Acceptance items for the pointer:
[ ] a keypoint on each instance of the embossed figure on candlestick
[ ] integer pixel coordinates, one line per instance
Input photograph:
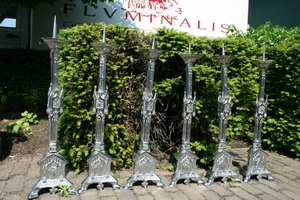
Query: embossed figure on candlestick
(144, 161)
(186, 161)
(52, 164)
(99, 161)
(222, 166)
(257, 158)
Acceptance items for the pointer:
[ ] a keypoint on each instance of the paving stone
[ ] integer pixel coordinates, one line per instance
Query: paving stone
(272, 192)
(285, 174)
(272, 184)
(178, 196)
(242, 193)
(20, 168)
(192, 193)
(289, 187)
(291, 194)
(108, 198)
(28, 186)
(49, 197)
(5, 173)
(266, 197)
(125, 194)
(91, 194)
(72, 197)
(251, 189)
(211, 195)
(233, 198)
(139, 190)
(15, 184)
(2, 186)
(159, 194)
(220, 190)
(26, 159)
(106, 192)
(293, 170)
(286, 180)
(145, 197)
(272, 163)
(13, 197)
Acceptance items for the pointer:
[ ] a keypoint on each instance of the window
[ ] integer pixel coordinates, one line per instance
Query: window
(8, 15)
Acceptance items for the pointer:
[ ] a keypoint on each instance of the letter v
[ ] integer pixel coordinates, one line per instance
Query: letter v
(110, 15)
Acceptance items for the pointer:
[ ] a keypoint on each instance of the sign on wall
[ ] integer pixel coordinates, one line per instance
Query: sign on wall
(198, 17)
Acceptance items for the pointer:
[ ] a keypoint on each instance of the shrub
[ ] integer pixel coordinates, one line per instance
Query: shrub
(25, 83)
(22, 127)
(126, 73)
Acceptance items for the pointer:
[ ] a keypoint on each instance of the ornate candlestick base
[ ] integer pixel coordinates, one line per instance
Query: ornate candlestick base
(144, 170)
(52, 175)
(99, 172)
(257, 165)
(222, 167)
(186, 169)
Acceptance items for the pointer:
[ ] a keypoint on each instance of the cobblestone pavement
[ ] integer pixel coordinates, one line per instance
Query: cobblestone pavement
(19, 174)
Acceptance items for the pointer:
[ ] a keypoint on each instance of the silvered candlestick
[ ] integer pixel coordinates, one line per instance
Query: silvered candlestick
(186, 160)
(144, 161)
(52, 164)
(256, 156)
(223, 158)
(99, 161)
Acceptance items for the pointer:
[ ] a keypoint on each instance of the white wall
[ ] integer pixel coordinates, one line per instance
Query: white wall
(198, 17)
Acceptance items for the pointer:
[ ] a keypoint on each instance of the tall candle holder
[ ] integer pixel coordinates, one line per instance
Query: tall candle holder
(223, 158)
(257, 158)
(144, 161)
(99, 161)
(186, 160)
(52, 164)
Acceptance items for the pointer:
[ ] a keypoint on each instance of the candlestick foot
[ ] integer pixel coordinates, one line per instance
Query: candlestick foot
(222, 168)
(52, 175)
(144, 171)
(99, 172)
(257, 165)
(186, 169)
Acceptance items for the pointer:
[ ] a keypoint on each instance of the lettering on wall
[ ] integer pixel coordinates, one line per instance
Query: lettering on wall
(157, 13)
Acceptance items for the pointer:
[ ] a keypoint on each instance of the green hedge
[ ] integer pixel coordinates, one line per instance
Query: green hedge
(27, 75)
(24, 81)
(282, 127)
(126, 74)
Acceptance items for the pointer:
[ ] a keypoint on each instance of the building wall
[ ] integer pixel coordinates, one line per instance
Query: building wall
(278, 12)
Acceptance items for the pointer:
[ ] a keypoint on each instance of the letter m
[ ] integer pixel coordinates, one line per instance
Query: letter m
(128, 14)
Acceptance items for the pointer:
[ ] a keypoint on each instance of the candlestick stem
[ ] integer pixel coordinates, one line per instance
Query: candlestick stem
(144, 161)
(257, 158)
